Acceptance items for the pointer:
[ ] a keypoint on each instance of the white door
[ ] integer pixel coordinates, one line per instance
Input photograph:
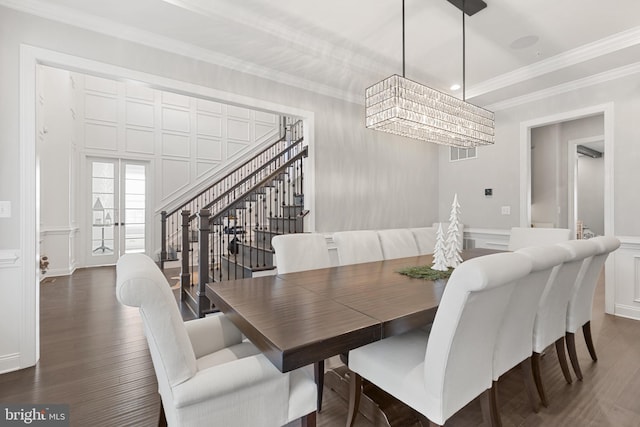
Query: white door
(118, 209)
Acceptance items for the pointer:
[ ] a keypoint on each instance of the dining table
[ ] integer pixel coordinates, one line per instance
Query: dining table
(298, 319)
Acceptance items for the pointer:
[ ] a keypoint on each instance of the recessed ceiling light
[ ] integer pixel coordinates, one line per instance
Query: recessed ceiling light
(455, 87)
(524, 42)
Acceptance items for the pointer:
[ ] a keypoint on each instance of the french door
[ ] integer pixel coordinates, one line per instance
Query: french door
(117, 210)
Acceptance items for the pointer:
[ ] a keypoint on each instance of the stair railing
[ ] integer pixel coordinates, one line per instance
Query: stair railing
(230, 236)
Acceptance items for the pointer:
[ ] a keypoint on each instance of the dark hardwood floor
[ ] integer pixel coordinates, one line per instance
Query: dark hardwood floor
(94, 357)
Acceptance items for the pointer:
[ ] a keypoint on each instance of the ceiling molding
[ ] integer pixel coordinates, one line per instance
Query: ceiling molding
(606, 76)
(135, 35)
(583, 53)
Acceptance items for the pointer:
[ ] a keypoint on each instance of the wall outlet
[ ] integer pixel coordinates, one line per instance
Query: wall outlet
(5, 209)
(506, 210)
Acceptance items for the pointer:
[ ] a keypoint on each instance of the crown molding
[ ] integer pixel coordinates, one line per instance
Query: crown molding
(603, 77)
(113, 29)
(566, 59)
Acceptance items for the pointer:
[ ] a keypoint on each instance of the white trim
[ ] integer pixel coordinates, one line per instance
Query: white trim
(563, 60)
(30, 211)
(603, 77)
(45, 231)
(525, 176)
(9, 258)
(9, 362)
(629, 242)
(93, 23)
(30, 57)
(627, 311)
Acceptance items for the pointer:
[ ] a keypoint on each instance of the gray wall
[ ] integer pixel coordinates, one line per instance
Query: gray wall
(591, 193)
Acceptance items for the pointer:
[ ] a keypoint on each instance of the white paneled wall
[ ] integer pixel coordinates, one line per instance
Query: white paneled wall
(188, 143)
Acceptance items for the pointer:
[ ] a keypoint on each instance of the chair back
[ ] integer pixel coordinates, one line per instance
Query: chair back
(358, 246)
(522, 237)
(300, 252)
(425, 239)
(581, 302)
(515, 337)
(140, 283)
(458, 360)
(551, 318)
(398, 243)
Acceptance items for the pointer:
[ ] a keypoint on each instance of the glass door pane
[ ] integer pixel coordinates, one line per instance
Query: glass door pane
(134, 207)
(103, 198)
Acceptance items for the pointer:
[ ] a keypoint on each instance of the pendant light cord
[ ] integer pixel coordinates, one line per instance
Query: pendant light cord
(464, 95)
(403, 75)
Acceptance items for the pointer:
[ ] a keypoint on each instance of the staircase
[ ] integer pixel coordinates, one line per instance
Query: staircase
(227, 228)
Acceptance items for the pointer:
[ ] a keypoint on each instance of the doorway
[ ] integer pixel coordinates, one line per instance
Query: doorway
(117, 210)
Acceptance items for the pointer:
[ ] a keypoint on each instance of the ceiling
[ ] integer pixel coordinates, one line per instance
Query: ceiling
(337, 47)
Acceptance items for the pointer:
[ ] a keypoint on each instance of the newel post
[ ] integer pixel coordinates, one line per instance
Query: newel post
(163, 237)
(185, 276)
(204, 305)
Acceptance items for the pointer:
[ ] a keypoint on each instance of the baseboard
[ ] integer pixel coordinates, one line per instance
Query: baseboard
(9, 363)
(627, 311)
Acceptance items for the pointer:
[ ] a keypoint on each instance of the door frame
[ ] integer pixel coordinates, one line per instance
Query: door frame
(607, 110)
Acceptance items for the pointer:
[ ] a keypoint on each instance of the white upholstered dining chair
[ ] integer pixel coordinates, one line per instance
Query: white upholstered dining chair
(207, 374)
(514, 344)
(398, 243)
(439, 372)
(581, 302)
(301, 252)
(425, 239)
(358, 246)
(522, 237)
(550, 324)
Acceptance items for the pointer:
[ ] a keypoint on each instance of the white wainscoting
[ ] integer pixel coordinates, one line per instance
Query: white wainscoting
(10, 290)
(58, 245)
(486, 238)
(626, 276)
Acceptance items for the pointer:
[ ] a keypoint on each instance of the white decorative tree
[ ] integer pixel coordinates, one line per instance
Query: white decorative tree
(440, 252)
(453, 258)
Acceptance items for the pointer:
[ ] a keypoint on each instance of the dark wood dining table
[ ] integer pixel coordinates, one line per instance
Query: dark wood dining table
(297, 319)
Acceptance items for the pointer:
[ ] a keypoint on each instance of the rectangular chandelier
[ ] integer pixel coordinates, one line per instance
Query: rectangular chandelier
(403, 107)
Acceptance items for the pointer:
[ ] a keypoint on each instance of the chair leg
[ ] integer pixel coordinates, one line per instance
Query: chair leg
(355, 391)
(319, 374)
(586, 330)
(162, 419)
(309, 420)
(526, 370)
(573, 355)
(494, 414)
(535, 368)
(562, 358)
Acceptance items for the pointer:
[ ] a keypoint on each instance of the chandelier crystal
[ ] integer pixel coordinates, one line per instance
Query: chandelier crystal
(403, 107)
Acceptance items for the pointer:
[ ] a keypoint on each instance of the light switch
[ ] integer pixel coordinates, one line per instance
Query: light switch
(506, 210)
(5, 209)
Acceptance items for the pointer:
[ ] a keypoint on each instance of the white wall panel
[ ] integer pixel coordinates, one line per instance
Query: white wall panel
(102, 137)
(175, 120)
(99, 84)
(139, 114)
(175, 99)
(238, 130)
(204, 167)
(266, 117)
(209, 149)
(140, 92)
(175, 145)
(139, 141)
(99, 107)
(209, 125)
(234, 148)
(263, 132)
(209, 106)
(10, 315)
(175, 175)
(239, 112)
